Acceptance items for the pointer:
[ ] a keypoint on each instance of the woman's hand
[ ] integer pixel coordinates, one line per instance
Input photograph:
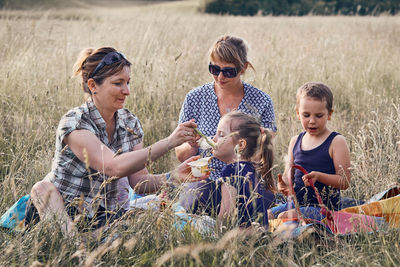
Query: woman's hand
(195, 144)
(310, 176)
(183, 133)
(282, 187)
(183, 173)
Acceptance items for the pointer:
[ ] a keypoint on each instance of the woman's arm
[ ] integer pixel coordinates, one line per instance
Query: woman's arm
(144, 183)
(186, 150)
(88, 148)
(340, 154)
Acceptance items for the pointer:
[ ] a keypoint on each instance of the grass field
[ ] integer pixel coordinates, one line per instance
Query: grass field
(358, 57)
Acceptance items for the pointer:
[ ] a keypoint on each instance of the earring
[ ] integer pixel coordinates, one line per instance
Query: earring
(94, 93)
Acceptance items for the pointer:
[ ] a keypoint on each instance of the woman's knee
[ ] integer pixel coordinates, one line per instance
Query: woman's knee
(46, 198)
(42, 190)
(42, 187)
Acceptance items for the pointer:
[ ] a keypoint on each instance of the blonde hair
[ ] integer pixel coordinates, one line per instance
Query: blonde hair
(317, 90)
(230, 49)
(87, 62)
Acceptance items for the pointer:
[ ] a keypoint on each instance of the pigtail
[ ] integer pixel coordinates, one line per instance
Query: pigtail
(266, 159)
(258, 149)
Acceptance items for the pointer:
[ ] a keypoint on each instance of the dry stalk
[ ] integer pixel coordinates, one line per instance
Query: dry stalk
(103, 249)
(194, 250)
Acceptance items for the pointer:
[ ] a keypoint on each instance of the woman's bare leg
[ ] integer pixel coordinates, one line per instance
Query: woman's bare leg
(49, 203)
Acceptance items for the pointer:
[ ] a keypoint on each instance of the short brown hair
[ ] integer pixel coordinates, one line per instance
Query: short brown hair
(87, 62)
(316, 90)
(230, 49)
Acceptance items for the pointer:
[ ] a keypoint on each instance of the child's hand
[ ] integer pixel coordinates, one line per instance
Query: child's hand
(310, 176)
(282, 187)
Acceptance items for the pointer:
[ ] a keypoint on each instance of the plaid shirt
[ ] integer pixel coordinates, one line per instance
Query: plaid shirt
(71, 176)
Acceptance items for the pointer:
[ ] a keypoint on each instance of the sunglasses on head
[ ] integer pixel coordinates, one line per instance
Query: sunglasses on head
(229, 72)
(110, 58)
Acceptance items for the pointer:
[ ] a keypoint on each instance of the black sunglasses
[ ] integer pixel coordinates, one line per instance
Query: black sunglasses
(229, 72)
(110, 58)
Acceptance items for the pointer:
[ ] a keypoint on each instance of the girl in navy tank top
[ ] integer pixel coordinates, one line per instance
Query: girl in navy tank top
(246, 181)
(322, 152)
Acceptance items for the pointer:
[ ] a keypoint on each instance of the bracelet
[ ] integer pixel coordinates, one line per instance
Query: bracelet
(167, 176)
(168, 181)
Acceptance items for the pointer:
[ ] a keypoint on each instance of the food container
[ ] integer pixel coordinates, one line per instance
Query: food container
(200, 166)
(206, 143)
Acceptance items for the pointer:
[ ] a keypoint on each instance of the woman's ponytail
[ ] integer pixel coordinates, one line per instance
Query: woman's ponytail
(80, 68)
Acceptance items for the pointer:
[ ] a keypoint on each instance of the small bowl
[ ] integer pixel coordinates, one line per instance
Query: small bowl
(200, 166)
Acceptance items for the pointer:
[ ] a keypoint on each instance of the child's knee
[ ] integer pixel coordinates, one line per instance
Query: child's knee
(282, 215)
(287, 214)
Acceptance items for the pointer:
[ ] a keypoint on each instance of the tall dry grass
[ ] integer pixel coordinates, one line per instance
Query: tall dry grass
(167, 44)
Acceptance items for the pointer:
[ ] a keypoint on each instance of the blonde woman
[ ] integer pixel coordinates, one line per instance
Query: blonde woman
(206, 104)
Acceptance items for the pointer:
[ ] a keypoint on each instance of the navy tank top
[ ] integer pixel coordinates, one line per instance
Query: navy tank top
(316, 159)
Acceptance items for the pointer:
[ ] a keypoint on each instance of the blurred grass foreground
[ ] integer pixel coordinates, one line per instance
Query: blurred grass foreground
(167, 42)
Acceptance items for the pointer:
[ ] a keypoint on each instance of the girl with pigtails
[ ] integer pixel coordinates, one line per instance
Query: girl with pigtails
(246, 183)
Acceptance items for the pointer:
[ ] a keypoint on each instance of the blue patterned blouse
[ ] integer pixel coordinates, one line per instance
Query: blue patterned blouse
(201, 104)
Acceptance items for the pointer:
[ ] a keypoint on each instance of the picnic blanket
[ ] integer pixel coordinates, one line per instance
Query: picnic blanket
(384, 214)
(365, 218)
(13, 217)
(389, 209)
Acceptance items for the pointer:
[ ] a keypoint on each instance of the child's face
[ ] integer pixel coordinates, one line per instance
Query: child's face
(225, 142)
(313, 115)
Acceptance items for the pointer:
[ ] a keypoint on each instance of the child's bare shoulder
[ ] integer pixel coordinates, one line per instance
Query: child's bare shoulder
(292, 143)
(293, 140)
(339, 141)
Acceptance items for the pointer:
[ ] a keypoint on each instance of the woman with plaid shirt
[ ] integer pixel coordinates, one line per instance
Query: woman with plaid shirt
(99, 149)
